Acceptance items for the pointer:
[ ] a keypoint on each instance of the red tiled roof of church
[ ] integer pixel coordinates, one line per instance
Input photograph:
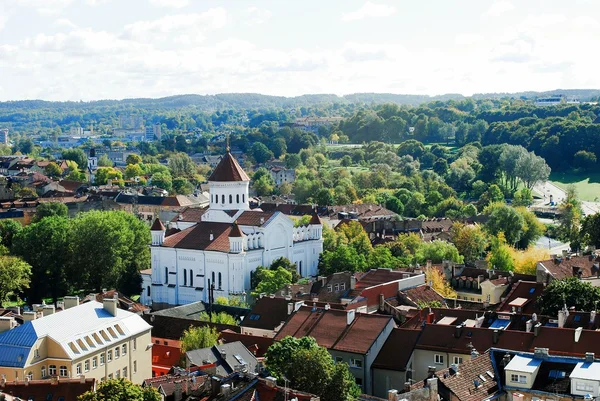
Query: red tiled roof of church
(228, 169)
(157, 225)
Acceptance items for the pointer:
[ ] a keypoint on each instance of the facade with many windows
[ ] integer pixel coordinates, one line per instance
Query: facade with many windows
(95, 340)
(225, 246)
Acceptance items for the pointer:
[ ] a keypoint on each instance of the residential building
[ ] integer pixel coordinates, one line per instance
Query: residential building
(153, 133)
(567, 265)
(268, 315)
(283, 175)
(96, 340)
(393, 366)
(351, 337)
(223, 359)
(228, 243)
(47, 390)
(166, 353)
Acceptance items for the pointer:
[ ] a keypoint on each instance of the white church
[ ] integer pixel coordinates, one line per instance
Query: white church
(225, 246)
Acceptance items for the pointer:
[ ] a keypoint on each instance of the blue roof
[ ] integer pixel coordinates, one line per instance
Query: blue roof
(16, 344)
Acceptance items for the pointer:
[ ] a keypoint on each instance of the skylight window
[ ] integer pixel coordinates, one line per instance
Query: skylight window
(490, 374)
(239, 359)
(482, 378)
(81, 345)
(112, 332)
(74, 348)
(577, 318)
(103, 333)
(90, 342)
(532, 290)
(557, 374)
(119, 329)
(97, 338)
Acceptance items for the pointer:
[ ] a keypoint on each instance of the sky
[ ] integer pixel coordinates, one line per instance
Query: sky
(115, 49)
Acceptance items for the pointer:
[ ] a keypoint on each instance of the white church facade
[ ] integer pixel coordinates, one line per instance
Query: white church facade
(227, 243)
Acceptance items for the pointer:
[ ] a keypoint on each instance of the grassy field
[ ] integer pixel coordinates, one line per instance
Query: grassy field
(587, 184)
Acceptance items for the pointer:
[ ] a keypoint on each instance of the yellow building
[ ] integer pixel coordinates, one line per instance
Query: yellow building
(95, 340)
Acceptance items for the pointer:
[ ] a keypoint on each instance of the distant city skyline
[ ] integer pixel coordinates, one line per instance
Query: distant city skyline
(109, 49)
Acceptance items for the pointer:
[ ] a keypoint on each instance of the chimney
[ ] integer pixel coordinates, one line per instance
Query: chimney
(592, 316)
(578, 333)
(290, 307)
(429, 264)
(562, 316)
(433, 389)
(28, 316)
(430, 317)
(458, 331)
(506, 359)
(70, 302)
(529, 325)
(327, 306)
(352, 282)
(211, 236)
(495, 336)
(271, 381)
(177, 391)
(536, 329)
(381, 302)
(225, 389)
(392, 395)
(350, 316)
(7, 323)
(110, 305)
(48, 310)
(223, 353)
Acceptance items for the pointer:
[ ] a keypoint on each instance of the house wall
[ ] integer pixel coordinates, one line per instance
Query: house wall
(423, 359)
(55, 355)
(510, 383)
(359, 373)
(385, 380)
(595, 384)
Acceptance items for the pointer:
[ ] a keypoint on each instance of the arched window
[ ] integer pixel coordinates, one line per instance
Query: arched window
(52, 370)
(184, 277)
(213, 278)
(237, 198)
(63, 371)
(148, 291)
(166, 275)
(223, 199)
(191, 278)
(230, 199)
(243, 198)
(220, 281)
(43, 372)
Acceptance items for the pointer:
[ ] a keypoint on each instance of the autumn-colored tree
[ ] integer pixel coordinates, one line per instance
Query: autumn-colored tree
(435, 278)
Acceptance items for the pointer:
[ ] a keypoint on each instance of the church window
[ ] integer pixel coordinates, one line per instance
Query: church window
(243, 198)
(148, 291)
(237, 198)
(230, 199)
(191, 278)
(213, 278)
(220, 281)
(184, 277)
(166, 275)
(223, 199)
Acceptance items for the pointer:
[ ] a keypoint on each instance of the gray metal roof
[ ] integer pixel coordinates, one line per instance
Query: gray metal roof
(228, 358)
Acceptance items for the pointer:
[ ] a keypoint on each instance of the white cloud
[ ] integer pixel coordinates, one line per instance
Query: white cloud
(65, 22)
(369, 10)
(3, 19)
(498, 8)
(94, 3)
(170, 3)
(257, 16)
(46, 7)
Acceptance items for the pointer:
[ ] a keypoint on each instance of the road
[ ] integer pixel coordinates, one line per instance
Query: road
(558, 194)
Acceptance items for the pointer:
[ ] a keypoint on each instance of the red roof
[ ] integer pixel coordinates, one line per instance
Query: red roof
(69, 389)
(198, 237)
(192, 214)
(523, 289)
(228, 169)
(235, 231)
(315, 219)
(165, 356)
(254, 218)
(255, 344)
(330, 329)
(562, 267)
(157, 225)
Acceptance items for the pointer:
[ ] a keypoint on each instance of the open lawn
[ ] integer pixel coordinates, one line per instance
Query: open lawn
(587, 184)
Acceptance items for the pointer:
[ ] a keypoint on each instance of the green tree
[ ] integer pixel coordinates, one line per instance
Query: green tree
(120, 242)
(500, 256)
(27, 193)
(492, 195)
(77, 155)
(162, 180)
(270, 281)
(133, 170)
(182, 186)
(532, 169)
(589, 233)
(346, 161)
(218, 318)
(53, 170)
(47, 209)
(570, 292)
(524, 197)
(470, 240)
(103, 174)
(120, 390)
(181, 165)
(584, 160)
(292, 160)
(264, 185)
(437, 251)
(287, 265)
(532, 228)
(310, 368)
(278, 147)
(570, 216)
(343, 258)
(198, 338)
(104, 161)
(8, 230)
(14, 276)
(46, 246)
(133, 159)
(260, 152)
(504, 219)
(382, 258)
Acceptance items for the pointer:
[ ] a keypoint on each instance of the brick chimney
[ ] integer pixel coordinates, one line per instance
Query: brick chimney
(7, 323)
(70, 302)
(110, 305)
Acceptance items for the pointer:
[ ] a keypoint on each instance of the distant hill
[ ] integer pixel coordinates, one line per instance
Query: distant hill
(255, 100)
